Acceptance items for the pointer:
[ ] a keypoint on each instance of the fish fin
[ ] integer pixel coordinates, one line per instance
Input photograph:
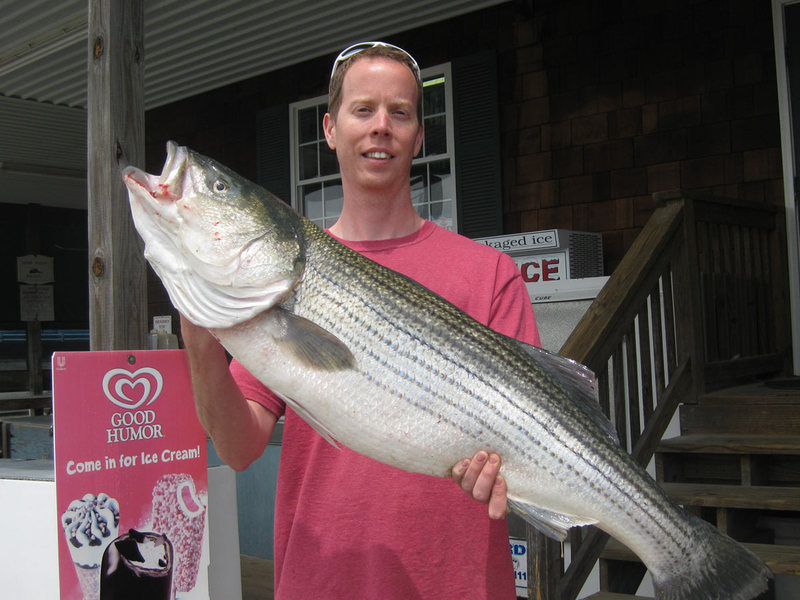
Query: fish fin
(315, 424)
(309, 343)
(578, 377)
(551, 523)
(715, 566)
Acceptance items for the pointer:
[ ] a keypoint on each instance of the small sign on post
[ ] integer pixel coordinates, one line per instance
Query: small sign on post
(36, 303)
(35, 269)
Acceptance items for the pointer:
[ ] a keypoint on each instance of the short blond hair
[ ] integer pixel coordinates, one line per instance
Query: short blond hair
(339, 71)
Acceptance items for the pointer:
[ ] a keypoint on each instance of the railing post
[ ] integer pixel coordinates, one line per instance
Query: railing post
(689, 326)
(545, 565)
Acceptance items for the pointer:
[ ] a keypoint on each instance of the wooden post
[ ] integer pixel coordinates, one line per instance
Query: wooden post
(33, 245)
(117, 288)
(545, 565)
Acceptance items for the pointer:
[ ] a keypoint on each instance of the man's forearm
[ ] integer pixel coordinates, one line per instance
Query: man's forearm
(240, 429)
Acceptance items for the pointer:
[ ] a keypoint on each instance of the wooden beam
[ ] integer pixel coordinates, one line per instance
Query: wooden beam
(117, 279)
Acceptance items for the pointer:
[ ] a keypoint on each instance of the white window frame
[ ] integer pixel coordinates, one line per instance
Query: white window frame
(431, 73)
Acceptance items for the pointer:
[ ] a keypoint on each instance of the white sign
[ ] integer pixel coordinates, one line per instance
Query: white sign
(35, 269)
(519, 556)
(162, 323)
(522, 242)
(36, 303)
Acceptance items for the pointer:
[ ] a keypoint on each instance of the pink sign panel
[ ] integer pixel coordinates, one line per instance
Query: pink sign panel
(131, 477)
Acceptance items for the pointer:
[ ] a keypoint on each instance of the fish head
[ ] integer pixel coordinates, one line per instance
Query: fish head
(225, 248)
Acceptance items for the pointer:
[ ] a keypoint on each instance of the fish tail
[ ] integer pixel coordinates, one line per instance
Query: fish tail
(722, 569)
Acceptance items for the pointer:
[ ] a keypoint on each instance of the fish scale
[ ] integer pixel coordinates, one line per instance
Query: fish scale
(378, 363)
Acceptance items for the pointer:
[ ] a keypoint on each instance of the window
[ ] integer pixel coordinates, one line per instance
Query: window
(317, 187)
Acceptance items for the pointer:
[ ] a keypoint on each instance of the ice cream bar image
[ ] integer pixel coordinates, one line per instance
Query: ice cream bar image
(137, 565)
(179, 512)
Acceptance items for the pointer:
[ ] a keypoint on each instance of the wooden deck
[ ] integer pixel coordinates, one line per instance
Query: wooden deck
(257, 578)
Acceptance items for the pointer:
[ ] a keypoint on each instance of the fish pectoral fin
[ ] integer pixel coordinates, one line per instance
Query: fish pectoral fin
(309, 343)
(551, 523)
(315, 424)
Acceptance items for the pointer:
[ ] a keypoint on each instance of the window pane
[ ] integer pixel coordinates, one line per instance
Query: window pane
(307, 123)
(334, 198)
(435, 136)
(312, 201)
(441, 181)
(442, 214)
(308, 161)
(423, 211)
(328, 165)
(433, 97)
(419, 185)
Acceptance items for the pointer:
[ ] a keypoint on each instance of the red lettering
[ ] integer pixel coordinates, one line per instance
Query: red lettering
(527, 276)
(550, 270)
(546, 270)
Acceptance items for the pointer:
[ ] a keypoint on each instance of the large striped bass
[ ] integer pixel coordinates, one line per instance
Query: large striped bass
(376, 362)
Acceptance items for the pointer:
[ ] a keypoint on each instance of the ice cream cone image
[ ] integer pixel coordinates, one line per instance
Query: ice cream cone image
(90, 524)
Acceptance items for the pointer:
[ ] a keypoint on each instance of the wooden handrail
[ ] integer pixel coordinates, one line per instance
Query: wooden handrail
(655, 338)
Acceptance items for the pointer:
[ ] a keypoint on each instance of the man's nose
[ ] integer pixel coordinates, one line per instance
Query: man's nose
(382, 123)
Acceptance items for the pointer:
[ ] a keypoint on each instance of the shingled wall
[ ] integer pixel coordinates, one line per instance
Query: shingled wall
(610, 101)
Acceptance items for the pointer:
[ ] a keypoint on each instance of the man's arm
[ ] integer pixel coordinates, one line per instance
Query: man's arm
(239, 428)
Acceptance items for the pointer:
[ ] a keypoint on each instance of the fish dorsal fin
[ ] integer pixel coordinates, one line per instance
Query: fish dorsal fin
(579, 379)
(315, 423)
(308, 343)
(553, 524)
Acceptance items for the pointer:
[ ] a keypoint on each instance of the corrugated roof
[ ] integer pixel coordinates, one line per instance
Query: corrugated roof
(191, 46)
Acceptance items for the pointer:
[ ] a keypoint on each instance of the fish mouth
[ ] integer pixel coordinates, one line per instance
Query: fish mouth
(168, 186)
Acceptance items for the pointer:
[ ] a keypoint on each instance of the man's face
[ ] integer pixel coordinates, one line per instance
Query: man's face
(376, 133)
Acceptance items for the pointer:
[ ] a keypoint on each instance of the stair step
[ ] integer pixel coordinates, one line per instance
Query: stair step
(615, 596)
(734, 496)
(752, 393)
(732, 444)
(782, 560)
(754, 419)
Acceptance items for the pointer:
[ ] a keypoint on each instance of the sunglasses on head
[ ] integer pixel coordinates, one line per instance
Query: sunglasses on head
(356, 48)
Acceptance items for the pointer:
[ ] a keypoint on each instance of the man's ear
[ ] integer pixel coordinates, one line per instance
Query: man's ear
(418, 141)
(329, 126)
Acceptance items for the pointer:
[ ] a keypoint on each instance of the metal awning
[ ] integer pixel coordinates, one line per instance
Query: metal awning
(191, 46)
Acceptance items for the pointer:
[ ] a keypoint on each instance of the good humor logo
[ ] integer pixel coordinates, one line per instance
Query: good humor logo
(131, 391)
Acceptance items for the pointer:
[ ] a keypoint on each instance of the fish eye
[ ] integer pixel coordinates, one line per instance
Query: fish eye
(220, 186)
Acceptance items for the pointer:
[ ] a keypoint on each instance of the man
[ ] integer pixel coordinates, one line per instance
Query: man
(347, 526)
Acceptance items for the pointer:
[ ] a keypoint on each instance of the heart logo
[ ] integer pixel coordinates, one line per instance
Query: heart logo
(132, 390)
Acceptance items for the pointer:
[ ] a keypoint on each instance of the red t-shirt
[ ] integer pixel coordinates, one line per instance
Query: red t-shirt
(348, 527)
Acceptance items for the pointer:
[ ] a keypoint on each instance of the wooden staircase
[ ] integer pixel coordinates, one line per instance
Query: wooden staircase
(698, 303)
(737, 465)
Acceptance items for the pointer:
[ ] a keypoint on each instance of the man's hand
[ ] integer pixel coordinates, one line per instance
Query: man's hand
(479, 478)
